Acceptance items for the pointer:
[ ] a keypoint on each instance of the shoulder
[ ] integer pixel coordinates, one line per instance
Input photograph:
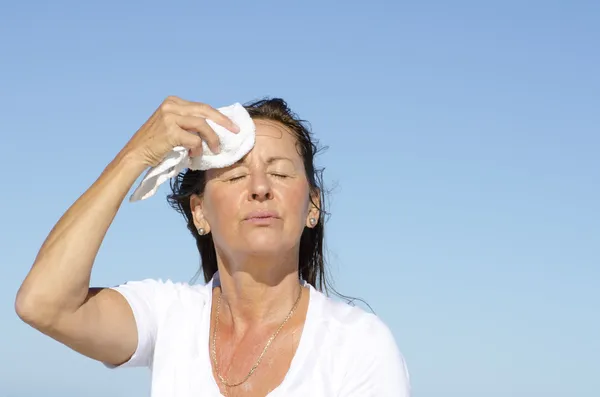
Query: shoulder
(160, 286)
(373, 362)
(158, 304)
(160, 294)
(352, 321)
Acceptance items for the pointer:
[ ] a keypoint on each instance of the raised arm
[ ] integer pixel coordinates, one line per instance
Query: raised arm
(55, 297)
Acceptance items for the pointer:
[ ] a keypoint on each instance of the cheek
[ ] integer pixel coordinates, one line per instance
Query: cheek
(220, 206)
(296, 201)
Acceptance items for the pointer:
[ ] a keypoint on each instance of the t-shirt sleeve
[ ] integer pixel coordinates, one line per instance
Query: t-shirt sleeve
(148, 300)
(377, 367)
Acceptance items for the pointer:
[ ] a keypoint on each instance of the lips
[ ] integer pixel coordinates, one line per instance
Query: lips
(259, 215)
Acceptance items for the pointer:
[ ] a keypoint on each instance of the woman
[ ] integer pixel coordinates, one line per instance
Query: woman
(261, 324)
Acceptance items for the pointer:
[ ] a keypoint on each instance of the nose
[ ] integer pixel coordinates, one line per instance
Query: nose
(260, 187)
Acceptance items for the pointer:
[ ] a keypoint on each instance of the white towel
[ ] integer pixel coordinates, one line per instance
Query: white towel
(233, 146)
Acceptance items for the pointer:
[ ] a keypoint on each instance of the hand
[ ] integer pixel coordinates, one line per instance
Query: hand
(177, 122)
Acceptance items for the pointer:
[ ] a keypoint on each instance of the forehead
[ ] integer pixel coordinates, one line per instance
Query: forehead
(274, 138)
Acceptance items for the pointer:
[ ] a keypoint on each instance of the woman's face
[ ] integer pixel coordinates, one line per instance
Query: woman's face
(260, 205)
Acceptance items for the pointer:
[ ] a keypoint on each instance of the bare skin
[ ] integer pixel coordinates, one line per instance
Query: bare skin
(257, 259)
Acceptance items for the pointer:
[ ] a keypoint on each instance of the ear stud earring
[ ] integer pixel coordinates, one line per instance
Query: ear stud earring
(312, 221)
(201, 231)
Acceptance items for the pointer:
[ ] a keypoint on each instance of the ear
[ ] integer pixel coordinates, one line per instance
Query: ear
(314, 212)
(196, 205)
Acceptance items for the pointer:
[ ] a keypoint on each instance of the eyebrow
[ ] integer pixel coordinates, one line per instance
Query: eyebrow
(273, 159)
(270, 160)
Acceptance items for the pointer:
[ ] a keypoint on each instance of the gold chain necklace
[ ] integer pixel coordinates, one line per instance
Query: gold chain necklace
(271, 339)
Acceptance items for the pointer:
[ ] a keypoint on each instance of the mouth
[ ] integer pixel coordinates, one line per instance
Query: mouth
(261, 217)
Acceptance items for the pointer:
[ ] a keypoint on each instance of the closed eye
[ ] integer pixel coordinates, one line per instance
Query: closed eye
(282, 176)
(236, 178)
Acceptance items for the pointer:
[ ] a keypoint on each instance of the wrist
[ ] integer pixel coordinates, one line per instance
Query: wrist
(128, 163)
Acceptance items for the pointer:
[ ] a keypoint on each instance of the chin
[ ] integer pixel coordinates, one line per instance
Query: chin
(267, 243)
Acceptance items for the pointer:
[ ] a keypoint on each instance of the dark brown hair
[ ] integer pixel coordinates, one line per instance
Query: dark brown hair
(311, 265)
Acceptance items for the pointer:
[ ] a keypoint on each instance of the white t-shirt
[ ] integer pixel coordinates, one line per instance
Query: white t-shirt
(343, 350)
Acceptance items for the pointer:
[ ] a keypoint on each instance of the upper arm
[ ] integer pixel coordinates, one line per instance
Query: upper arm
(377, 368)
(103, 328)
(114, 325)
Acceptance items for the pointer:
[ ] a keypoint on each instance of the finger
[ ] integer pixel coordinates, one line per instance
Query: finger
(189, 140)
(196, 151)
(200, 126)
(208, 112)
(176, 100)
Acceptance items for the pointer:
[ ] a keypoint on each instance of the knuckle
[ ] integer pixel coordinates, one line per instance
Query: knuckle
(167, 107)
(169, 104)
(169, 118)
(194, 141)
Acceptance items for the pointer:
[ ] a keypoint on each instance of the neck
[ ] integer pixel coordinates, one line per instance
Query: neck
(257, 290)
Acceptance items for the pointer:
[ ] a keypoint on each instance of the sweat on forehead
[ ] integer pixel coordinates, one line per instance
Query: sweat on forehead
(270, 128)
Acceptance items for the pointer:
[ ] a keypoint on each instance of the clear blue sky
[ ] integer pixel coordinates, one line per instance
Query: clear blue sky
(464, 142)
